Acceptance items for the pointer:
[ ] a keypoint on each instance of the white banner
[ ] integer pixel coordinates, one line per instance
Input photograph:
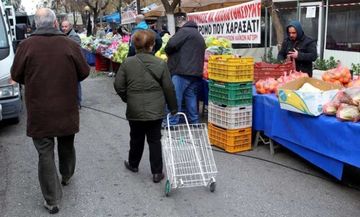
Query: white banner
(240, 23)
(128, 17)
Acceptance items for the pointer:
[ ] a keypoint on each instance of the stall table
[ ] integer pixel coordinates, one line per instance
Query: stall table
(324, 141)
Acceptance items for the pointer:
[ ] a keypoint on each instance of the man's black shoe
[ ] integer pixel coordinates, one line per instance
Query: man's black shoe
(129, 167)
(158, 177)
(65, 181)
(51, 208)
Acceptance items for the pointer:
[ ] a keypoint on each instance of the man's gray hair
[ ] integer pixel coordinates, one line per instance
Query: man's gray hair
(140, 17)
(44, 17)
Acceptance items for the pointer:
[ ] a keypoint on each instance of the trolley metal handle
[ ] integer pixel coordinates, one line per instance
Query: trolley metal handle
(180, 114)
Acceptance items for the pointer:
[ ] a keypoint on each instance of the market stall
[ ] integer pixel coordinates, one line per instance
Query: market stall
(324, 141)
(105, 53)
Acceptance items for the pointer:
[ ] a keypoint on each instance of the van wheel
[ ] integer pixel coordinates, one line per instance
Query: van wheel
(14, 120)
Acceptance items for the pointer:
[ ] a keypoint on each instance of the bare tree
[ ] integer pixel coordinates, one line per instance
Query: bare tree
(279, 30)
(75, 7)
(96, 6)
(169, 10)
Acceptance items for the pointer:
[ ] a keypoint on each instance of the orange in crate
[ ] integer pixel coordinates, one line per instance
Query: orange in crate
(231, 141)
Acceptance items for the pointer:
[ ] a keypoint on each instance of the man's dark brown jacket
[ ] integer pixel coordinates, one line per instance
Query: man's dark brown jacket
(50, 65)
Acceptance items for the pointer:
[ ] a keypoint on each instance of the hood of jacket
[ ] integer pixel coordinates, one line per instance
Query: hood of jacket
(190, 24)
(299, 30)
(142, 25)
(47, 31)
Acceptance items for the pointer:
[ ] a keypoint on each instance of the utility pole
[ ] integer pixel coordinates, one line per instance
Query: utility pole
(101, 15)
(138, 7)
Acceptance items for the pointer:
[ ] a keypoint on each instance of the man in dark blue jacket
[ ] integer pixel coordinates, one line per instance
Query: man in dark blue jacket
(186, 51)
(299, 47)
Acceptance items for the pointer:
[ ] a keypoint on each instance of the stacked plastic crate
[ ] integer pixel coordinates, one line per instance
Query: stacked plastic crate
(230, 102)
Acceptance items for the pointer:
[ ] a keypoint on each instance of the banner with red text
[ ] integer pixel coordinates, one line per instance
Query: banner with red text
(240, 23)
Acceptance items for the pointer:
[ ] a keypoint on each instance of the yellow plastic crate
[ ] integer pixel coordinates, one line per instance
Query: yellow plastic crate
(231, 59)
(227, 68)
(231, 141)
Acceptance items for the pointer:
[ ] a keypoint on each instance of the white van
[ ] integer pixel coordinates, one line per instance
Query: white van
(10, 94)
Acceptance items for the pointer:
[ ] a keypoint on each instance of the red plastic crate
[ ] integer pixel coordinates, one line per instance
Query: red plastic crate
(264, 70)
(101, 63)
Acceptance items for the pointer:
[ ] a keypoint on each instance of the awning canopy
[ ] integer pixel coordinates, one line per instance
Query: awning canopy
(113, 18)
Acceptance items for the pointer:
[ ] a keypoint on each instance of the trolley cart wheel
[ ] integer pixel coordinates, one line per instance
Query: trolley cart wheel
(167, 188)
(212, 186)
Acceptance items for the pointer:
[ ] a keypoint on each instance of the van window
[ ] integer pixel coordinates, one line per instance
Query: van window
(3, 34)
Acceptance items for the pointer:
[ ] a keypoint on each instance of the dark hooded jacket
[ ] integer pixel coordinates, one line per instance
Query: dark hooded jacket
(305, 45)
(186, 51)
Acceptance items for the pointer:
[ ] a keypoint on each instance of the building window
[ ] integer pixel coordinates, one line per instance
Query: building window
(343, 32)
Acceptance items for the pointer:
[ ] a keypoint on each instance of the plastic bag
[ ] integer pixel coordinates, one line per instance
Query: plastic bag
(353, 94)
(348, 113)
(354, 83)
(266, 86)
(339, 75)
(330, 109)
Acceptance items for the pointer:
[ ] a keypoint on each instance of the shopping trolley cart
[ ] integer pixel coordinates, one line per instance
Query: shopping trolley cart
(188, 156)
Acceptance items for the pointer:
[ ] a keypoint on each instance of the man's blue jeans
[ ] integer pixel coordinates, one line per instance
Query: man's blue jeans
(186, 88)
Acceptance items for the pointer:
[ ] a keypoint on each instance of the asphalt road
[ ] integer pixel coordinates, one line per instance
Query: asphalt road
(103, 187)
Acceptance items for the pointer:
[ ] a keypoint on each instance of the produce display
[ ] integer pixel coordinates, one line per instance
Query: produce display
(345, 105)
(161, 53)
(112, 47)
(348, 113)
(339, 75)
(121, 53)
(354, 83)
(212, 41)
(215, 46)
(270, 85)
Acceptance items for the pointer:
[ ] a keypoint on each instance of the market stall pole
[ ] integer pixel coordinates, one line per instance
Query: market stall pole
(230, 102)
(88, 25)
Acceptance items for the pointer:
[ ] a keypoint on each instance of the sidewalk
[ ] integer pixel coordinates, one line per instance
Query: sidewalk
(252, 183)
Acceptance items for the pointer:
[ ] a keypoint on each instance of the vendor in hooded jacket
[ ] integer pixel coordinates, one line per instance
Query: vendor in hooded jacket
(299, 48)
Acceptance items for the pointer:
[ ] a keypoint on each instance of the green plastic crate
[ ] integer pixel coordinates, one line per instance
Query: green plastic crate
(230, 94)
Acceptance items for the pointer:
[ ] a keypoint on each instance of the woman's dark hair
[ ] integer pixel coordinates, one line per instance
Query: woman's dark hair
(143, 40)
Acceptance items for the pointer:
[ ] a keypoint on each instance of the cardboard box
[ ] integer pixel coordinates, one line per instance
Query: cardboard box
(310, 103)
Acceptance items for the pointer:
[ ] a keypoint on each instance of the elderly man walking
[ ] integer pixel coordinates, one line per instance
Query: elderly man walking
(67, 28)
(50, 65)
